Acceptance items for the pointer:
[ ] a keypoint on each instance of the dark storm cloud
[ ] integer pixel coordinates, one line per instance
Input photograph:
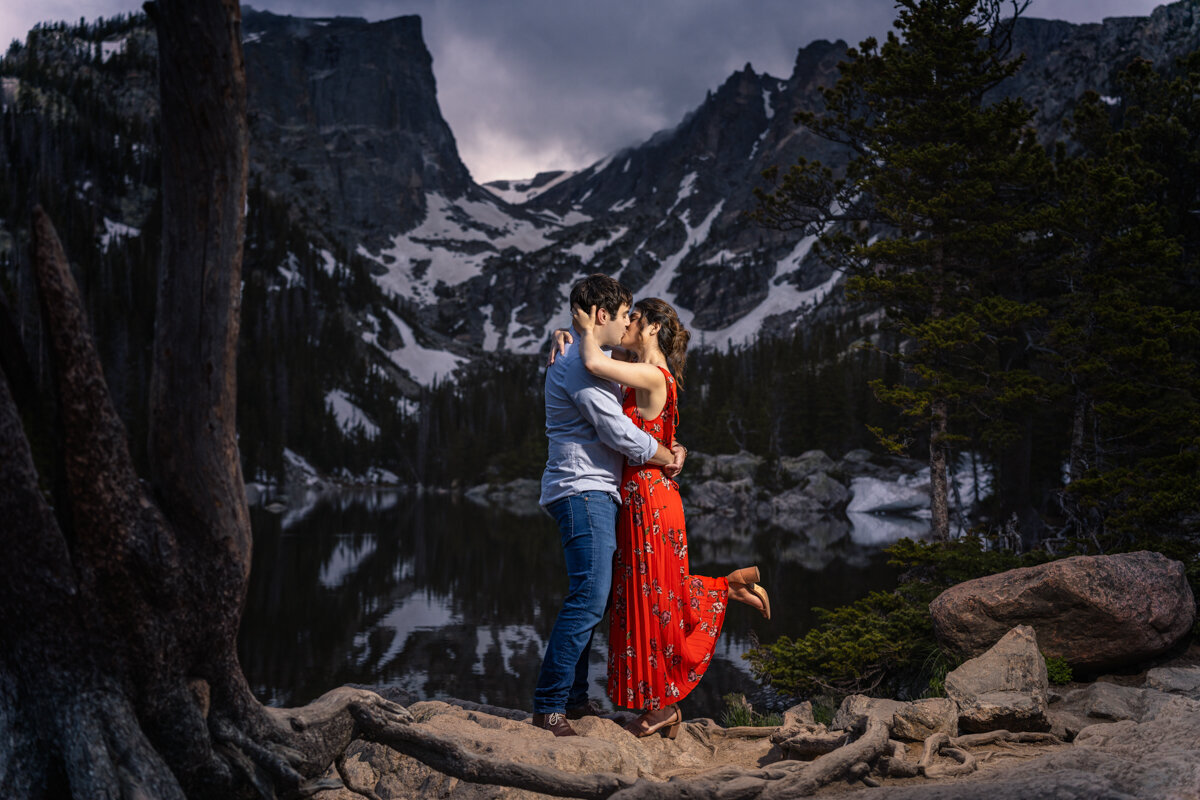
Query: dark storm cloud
(540, 84)
(543, 84)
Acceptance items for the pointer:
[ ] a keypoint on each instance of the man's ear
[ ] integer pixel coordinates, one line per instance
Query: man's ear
(602, 316)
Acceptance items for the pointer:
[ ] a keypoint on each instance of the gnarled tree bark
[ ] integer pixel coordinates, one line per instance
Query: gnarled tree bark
(120, 605)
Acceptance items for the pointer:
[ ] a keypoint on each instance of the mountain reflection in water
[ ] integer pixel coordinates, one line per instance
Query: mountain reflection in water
(445, 598)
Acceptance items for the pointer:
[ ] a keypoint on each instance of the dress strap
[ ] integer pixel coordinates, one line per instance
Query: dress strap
(670, 412)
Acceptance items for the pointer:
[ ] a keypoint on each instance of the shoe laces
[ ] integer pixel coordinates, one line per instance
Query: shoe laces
(554, 719)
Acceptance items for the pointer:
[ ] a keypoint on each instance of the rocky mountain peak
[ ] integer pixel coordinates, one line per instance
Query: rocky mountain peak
(345, 121)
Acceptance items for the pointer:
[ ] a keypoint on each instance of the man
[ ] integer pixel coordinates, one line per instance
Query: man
(588, 436)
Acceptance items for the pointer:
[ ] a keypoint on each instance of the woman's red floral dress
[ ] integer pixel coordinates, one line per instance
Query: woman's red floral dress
(664, 620)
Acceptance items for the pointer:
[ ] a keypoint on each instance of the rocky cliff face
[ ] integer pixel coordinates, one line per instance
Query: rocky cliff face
(345, 122)
(1062, 61)
(347, 134)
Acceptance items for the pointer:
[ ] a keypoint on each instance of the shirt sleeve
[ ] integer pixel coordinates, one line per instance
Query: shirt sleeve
(599, 407)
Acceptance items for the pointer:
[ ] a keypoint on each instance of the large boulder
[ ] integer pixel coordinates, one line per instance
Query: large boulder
(828, 493)
(1005, 688)
(728, 498)
(727, 466)
(797, 468)
(1096, 612)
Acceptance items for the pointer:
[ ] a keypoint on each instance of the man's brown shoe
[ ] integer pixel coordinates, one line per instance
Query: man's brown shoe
(589, 709)
(555, 723)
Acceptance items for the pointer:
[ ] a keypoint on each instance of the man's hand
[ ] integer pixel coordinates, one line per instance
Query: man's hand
(675, 467)
(558, 343)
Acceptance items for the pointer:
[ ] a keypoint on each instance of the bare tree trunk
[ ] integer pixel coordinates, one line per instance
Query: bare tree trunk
(939, 493)
(118, 669)
(1076, 466)
(196, 472)
(939, 414)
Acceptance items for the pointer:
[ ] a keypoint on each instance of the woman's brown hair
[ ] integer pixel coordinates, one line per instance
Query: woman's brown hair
(672, 336)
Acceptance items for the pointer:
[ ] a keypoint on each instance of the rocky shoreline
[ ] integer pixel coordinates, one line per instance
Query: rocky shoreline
(869, 497)
(1002, 731)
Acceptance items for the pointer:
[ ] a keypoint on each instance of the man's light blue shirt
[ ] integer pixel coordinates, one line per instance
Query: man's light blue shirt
(588, 432)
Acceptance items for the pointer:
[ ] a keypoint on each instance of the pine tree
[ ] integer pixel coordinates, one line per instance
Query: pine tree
(932, 217)
(1125, 329)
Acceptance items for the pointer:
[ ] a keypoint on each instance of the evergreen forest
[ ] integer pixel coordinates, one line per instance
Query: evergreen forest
(1041, 304)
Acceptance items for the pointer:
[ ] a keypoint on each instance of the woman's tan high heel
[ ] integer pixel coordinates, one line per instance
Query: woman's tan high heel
(668, 726)
(749, 577)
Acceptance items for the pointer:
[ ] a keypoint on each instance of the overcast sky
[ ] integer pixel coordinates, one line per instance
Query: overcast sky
(531, 85)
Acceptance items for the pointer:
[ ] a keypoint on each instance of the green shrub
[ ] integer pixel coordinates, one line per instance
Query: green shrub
(824, 707)
(1057, 669)
(883, 641)
(854, 648)
(738, 713)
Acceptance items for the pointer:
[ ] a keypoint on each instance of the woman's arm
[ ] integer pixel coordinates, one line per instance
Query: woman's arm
(639, 376)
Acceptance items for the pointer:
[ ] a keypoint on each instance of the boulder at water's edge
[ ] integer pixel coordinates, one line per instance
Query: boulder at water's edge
(1096, 612)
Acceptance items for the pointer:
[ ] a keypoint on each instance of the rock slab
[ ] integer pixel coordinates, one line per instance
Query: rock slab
(920, 719)
(1096, 612)
(1005, 688)
(859, 705)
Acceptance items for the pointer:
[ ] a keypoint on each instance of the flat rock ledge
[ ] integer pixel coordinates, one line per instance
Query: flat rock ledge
(1129, 742)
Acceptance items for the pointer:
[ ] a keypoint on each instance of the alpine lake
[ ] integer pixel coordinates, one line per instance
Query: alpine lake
(445, 598)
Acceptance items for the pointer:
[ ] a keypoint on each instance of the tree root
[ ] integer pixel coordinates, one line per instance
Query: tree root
(953, 747)
(350, 783)
(808, 739)
(378, 724)
(746, 732)
(896, 765)
(992, 737)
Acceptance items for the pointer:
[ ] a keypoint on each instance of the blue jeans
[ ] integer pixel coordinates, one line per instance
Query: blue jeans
(587, 523)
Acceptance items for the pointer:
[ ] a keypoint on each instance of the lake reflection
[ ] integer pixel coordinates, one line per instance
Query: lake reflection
(444, 598)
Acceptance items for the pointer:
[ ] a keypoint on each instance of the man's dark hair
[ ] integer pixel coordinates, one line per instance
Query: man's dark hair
(601, 291)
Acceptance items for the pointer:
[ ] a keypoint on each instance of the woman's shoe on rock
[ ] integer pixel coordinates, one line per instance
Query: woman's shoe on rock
(746, 579)
(669, 727)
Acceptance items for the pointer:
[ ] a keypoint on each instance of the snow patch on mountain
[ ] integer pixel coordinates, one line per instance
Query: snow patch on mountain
(110, 49)
(450, 246)
(491, 336)
(659, 285)
(424, 364)
(519, 338)
(348, 415)
(586, 252)
(569, 219)
(519, 192)
(770, 112)
(782, 298)
(687, 188)
(328, 262)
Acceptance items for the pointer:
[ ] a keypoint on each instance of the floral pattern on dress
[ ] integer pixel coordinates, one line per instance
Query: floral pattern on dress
(664, 621)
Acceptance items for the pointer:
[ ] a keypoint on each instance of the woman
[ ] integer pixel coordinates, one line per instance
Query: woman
(664, 620)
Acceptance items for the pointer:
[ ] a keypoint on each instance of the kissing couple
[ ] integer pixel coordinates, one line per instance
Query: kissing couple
(609, 484)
